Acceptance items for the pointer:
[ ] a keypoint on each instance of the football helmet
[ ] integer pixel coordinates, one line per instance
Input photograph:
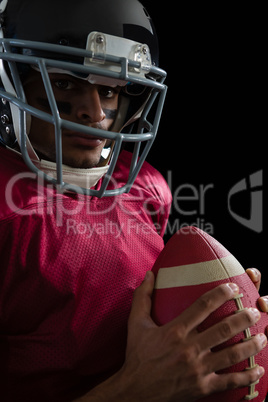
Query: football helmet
(106, 42)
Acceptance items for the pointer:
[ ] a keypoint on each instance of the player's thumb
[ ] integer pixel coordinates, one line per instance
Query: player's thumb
(141, 306)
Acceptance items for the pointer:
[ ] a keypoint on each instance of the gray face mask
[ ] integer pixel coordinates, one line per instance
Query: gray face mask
(105, 60)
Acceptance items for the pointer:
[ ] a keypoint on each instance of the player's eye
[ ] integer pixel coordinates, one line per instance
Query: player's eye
(108, 92)
(64, 84)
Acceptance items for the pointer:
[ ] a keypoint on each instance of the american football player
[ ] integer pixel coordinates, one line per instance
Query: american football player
(83, 215)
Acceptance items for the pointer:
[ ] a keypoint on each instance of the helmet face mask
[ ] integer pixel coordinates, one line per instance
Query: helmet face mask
(107, 60)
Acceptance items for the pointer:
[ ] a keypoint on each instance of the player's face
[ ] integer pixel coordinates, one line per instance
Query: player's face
(80, 102)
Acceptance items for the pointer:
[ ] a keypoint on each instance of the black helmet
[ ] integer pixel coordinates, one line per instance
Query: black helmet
(68, 23)
(96, 40)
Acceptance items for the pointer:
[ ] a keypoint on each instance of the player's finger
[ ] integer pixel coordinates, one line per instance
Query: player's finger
(255, 276)
(141, 305)
(235, 354)
(229, 327)
(205, 305)
(263, 304)
(222, 382)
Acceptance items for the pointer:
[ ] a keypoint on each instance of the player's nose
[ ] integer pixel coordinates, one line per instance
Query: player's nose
(88, 108)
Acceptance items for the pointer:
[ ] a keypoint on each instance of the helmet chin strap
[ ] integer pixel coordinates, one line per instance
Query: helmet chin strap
(83, 178)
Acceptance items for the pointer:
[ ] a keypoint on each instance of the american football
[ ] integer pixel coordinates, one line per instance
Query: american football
(191, 264)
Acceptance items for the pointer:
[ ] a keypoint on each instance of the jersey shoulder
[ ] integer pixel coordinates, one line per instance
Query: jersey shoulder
(149, 181)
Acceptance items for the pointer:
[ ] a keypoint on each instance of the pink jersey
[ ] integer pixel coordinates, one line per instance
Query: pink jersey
(68, 268)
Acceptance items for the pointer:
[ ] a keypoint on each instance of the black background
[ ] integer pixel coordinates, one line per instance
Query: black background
(212, 131)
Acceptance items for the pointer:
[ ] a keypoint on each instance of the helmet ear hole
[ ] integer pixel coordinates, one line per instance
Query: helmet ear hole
(7, 134)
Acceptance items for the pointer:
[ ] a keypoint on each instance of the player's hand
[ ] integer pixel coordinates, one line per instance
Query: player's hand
(255, 276)
(174, 362)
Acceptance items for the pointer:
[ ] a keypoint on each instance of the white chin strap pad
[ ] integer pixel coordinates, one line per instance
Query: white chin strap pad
(84, 178)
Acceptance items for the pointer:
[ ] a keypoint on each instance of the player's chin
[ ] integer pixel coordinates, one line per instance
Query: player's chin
(82, 158)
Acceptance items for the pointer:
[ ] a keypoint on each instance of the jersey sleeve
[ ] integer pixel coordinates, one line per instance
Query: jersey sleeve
(157, 196)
